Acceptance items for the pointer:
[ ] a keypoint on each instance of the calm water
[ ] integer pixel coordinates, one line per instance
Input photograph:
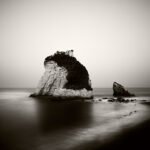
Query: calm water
(140, 92)
(37, 124)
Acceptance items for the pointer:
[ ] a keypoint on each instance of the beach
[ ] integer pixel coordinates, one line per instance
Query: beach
(37, 124)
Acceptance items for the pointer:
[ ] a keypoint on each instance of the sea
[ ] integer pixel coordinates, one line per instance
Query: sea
(40, 124)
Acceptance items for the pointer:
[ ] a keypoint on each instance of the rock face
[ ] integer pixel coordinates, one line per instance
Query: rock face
(54, 78)
(119, 90)
(64, 76)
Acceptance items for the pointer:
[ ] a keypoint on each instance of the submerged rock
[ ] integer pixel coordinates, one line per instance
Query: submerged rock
(121, 100)
(119, 90)
(64, 76)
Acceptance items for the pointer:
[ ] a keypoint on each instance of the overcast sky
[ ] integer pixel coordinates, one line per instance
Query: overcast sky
(110, 37)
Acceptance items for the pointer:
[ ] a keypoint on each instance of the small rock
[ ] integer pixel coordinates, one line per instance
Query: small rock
(111, 100)
(132, 100)
(119, 90)
(105, 98)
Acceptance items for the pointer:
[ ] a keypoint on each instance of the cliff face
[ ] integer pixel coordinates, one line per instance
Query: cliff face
(54, 78)
(64, 76)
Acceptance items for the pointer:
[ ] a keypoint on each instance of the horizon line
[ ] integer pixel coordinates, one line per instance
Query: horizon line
(35, 87)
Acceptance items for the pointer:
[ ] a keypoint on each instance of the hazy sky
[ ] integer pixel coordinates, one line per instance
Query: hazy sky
(110, 37)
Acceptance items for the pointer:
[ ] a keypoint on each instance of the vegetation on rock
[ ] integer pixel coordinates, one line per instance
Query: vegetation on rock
(78, 77)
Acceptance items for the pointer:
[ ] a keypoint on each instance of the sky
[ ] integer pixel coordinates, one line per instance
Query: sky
(110, 37)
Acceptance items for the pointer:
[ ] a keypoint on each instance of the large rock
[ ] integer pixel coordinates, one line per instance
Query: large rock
(119, 90)
(64, 77)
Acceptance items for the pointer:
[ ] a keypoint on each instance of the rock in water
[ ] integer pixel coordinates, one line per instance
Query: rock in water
(65, 77)
(119, 90)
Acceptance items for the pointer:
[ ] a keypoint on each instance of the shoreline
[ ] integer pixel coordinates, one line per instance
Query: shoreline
(129, 137)
(132, 138)
(72, 125)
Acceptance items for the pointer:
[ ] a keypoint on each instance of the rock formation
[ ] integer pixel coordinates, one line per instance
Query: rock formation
(119, 90)
(65, 77)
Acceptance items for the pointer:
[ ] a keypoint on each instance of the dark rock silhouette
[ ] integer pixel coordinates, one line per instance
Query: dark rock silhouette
(121, 100)
(78, 77)
(119, 90)
(64, 77)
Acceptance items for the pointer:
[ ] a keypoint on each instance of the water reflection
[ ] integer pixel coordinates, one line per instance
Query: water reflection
(60, 115)
(39, 124)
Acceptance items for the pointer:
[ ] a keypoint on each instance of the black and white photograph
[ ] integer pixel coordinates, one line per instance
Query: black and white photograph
(74, 74)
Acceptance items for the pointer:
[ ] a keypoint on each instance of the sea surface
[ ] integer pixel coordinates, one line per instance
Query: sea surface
(38, 124)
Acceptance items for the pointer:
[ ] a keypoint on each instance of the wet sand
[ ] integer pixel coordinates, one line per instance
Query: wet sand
(133, 138)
